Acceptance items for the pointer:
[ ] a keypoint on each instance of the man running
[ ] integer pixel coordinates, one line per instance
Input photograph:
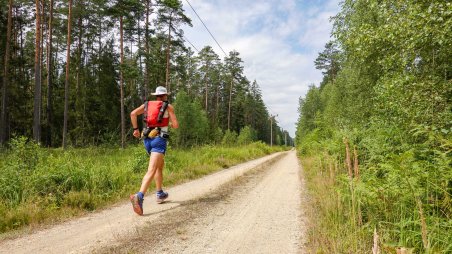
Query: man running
(158, 116)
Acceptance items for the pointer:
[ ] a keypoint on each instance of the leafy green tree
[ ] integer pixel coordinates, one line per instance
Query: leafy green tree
(217, 135)
(229, 138)
(193, 123)
(309, 108)
(390, 99)
(246, 136)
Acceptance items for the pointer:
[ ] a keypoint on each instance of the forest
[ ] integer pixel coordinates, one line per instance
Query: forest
(377, 131)
(73, 70)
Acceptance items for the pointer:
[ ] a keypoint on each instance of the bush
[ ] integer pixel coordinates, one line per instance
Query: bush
(21, 159)
(229, 138)
(217, 136)
(24, 154)
(193, 123)
(246, 136)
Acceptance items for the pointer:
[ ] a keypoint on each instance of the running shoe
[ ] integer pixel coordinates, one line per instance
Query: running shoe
(137, 204)
(161, 196)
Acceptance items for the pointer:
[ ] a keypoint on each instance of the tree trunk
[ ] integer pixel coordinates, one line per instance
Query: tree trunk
(205, 80)
(229, 107)
(49, 77)
(37, 95)
(66, 84)
(4, 117)
(100, 50)
(78, 96)
(140, 91)
(168, 48)
(79, 59)
(217, 108)
(22, 72)
(271, 130)
(121, 80)
(41, 48)
(146, 46)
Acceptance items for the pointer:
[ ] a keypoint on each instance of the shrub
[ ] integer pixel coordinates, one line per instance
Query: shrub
(229, 138)
(24, 154)
(246, 136)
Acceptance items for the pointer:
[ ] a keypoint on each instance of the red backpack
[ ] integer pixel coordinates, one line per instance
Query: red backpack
(153, 114)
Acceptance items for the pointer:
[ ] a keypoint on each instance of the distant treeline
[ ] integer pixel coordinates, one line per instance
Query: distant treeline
(73, 70)
(382, 120)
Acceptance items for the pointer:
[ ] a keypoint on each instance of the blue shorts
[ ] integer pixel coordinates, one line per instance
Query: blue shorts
(157, 145)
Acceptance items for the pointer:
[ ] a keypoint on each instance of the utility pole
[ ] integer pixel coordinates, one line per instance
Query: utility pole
(271, 118)
(285, 138)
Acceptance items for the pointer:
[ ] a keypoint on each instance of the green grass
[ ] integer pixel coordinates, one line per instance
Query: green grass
(344, 213)
(40, 185)
(332, 226)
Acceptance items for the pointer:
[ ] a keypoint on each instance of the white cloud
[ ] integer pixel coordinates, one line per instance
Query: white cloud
(278, 42)
(318, 31)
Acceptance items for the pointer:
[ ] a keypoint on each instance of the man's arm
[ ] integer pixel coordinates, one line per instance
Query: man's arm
(172, 117)
(133, 118)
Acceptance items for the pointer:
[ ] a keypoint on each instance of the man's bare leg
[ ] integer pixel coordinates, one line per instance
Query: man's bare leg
(154, 163)
(161, 195)
(159, 175)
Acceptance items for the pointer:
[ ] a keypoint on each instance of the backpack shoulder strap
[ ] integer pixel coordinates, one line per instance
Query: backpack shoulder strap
(145, 117)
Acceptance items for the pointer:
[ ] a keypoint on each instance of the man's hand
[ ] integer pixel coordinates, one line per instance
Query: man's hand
(133, 119)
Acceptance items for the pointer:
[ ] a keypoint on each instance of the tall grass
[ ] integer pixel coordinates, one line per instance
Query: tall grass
(39, 185)
(332, 211)
(403, 200)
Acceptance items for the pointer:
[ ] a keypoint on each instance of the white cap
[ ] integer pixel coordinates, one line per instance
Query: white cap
(160, 90)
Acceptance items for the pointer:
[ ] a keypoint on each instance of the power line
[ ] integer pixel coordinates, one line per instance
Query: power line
(206, 28)
(190, 43)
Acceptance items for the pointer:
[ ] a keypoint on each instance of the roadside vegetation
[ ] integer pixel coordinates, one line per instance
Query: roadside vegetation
(375, 137)
(40, 185)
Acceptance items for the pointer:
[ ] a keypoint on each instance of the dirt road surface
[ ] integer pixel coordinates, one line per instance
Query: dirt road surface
(254, 207)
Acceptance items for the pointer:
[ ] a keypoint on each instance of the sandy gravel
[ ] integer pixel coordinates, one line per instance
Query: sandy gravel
(255, 207)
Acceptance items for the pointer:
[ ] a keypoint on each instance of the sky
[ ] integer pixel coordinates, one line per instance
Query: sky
(278, 41)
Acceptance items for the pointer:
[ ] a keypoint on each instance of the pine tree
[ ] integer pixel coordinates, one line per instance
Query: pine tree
(4, 115)
(49, 109)
(171, 16)
(234, 70)
(37, 90)
(66, 83)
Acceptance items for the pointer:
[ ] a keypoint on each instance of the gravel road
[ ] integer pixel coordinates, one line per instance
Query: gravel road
(254, 207)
